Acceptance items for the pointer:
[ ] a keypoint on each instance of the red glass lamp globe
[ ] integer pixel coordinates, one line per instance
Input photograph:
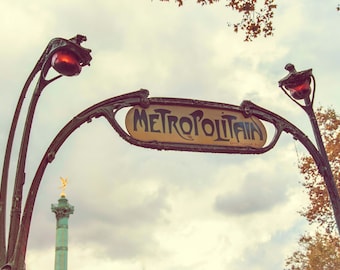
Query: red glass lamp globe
(66, 63)
(301, 90)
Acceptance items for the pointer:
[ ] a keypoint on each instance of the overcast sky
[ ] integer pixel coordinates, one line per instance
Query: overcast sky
(139, 208)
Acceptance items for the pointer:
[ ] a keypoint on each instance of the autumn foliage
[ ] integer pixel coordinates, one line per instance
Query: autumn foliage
(256, 16)
(320, 252)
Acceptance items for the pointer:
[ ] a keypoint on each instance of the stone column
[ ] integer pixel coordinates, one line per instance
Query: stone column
(62, 212)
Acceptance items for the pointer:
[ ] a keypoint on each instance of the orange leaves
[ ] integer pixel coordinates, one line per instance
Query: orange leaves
(255, 21)
(320, 251)
(202, 2)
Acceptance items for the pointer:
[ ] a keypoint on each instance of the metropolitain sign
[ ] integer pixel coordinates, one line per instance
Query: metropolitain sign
(194, 125)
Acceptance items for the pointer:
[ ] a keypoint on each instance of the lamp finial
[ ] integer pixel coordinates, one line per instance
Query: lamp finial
(290, 67)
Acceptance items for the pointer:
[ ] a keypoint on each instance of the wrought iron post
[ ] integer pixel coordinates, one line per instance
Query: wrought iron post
(297, 86)
(67, 57)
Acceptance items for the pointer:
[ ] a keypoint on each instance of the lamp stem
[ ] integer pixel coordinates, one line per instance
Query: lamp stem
(6, 164)
(326, 170)
(20, 172)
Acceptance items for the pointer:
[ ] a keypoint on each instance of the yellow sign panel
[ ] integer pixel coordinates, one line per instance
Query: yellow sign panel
(195, 125)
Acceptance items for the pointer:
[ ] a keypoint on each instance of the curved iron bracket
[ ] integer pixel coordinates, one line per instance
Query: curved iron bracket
(109, 108)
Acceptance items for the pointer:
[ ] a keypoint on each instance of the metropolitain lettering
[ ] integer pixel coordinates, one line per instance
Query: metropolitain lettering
(222, 127)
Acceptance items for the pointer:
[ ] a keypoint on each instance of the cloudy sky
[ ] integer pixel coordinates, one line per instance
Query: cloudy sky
(139, 208)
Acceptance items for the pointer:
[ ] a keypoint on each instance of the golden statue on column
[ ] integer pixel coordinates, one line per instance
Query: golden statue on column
(63, 186)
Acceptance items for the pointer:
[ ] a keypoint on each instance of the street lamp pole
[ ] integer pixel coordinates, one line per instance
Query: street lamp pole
(67, 57)
(297, 86)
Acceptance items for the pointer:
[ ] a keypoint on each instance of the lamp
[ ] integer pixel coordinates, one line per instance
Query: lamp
(66, 63)
(297, 83)
(67, 57)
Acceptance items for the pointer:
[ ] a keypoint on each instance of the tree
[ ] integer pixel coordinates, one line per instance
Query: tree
(321, 250)
(256, 21)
